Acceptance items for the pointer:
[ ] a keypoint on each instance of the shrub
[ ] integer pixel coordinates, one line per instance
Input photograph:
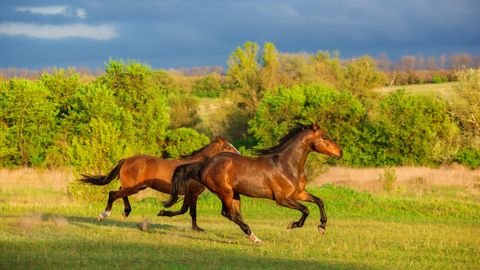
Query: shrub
(339, 112)
(183, 141)
(413, 130)
(27, 122)
(469, 156)
(209, 86)
(183, 111)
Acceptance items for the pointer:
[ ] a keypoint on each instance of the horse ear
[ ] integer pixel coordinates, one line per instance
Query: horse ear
(219, 139)
(315, 127)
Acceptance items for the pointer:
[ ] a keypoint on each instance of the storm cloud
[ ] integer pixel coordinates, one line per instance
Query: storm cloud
(172, 33)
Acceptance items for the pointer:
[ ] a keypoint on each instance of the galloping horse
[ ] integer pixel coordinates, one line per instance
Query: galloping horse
(141, 171)
(277, 174)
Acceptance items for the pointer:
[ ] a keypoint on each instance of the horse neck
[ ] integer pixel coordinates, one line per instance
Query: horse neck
(295, 154)
(195, 157)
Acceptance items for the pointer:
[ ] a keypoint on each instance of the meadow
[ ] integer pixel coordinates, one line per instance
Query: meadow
(44, 227)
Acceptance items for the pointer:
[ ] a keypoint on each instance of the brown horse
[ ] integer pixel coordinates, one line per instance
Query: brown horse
(139, 172)
(277, 174)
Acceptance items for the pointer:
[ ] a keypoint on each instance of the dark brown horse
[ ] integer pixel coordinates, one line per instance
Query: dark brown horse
(277, 174)
(139, 172)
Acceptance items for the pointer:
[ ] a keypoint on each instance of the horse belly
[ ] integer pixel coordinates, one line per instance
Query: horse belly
(256, 189)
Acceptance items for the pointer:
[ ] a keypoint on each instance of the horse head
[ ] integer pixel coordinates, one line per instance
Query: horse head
(323, 144)
(220, 144)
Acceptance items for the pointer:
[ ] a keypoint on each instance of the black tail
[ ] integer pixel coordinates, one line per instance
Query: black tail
(101, 180)
(180, 178)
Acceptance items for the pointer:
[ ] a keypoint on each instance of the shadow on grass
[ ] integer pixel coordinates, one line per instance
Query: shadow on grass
(81, 221)
(73, 254)
(152, 228)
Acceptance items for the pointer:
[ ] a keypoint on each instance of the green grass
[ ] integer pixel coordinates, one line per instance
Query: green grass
(442, 89)
(45, 229)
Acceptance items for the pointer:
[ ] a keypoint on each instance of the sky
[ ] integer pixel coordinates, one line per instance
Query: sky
(183, 34)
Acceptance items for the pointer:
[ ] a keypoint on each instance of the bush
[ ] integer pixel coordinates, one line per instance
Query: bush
(27, 122)
(470, 157)
(339, 112)
(183, 111)
(412, 130)
(183, 141)
(362, 75)
(209, 86)
(99, 130)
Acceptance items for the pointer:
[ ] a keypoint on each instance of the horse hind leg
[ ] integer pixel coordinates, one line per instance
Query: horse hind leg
(231, 210)
(108, 209)
(114, 195)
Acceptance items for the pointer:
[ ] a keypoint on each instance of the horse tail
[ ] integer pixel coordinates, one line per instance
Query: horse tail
(180, 178)
(101, 180)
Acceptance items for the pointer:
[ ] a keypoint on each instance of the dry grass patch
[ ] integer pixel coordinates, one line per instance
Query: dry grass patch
(419, 180)
(35, 178)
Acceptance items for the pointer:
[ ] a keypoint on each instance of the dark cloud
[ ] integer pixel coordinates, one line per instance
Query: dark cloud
(175, 33)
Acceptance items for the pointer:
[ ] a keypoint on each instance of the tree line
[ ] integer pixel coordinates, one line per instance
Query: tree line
(61, 119)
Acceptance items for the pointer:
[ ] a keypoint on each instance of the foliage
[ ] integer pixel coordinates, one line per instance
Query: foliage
(210, 86)
(469, 156)
(27, 121)
(183, 141)
(402, 129)
(336, 111)
(412, 130)
(362, 75)
(468, 111)
(183, 110)
(61, 119)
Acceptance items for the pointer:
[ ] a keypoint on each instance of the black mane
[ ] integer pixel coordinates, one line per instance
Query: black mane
(283, 141)
(194, 152)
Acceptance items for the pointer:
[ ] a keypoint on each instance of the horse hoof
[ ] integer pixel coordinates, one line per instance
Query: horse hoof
(321, 229)
(161, 213)
(198, 229)
(254, 239)
(124, 216)
(258, 242)
(291, 225)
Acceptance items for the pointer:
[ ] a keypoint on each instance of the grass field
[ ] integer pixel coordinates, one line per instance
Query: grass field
(441, 89)
(44, 228)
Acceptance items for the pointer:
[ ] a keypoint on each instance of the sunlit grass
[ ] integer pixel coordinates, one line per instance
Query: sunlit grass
(45, 229)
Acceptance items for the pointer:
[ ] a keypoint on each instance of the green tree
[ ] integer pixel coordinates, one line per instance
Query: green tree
(27, 121)
(136, 89)
(99, 131)
(270, 71)
(183, 111)
(183, 141)
(210, 86)
(361, 76)
(338, 112)
(413, 130)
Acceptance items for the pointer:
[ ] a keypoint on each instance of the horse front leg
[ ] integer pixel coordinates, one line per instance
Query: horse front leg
(127, 208)
(294, 204)
(307, 197)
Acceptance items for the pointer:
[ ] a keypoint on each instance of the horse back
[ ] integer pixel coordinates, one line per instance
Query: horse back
(147, 170)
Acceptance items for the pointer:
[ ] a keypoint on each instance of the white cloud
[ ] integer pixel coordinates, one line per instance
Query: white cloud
(66, 11)
(81, 13)
(48, 31)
